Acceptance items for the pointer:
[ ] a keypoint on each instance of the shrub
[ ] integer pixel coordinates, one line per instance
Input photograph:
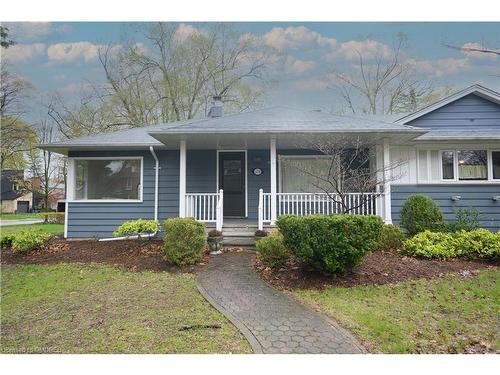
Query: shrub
(479, 243)
(6, 240)
(420, 213)
(272, 250)
(184, 241)
(392, 238)
(330, 243)
(431, 245)
(28, 240)
(465, 219)
(138, 227)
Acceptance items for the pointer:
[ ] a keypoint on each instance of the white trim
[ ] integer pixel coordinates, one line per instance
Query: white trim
(157, 172)
(272, 149)
(246, 174)
(490, 164)
(72, 180)
(479, 90)
(182, 177)
(454, 166)
(387, 182)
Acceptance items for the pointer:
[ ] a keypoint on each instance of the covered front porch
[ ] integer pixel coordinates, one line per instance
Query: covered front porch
(242, 179)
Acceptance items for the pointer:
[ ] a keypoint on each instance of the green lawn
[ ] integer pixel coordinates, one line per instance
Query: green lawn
(95, 309)
(18, 216)
(426, 316)
(49, 228)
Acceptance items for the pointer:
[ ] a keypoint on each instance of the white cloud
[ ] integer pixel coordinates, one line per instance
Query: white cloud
(296, 66)
(32, 31)
(368, 48)
(69, 52)
(476, 54)
(184, 31)
(23, 52)
(295, 37)
(440, 67)
(313, 84)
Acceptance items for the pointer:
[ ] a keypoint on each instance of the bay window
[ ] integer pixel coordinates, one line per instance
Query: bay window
(108, 179)
(465, 165)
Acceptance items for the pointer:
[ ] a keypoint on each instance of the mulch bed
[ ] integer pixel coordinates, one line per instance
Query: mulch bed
(130, 255)
(381, 267)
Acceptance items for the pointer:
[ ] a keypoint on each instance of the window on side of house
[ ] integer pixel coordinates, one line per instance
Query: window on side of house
(300, 174)
(495, 161)
(448, 165)
(108, 179)
(472, 165)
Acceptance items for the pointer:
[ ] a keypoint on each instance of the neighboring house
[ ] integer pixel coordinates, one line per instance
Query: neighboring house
(15, 199)
(449, 151)
(57, 193)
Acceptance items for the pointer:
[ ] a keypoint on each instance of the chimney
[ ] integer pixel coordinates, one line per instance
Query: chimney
(217, 108)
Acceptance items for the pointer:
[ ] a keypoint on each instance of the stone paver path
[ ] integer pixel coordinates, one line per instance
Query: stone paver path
(272, 321)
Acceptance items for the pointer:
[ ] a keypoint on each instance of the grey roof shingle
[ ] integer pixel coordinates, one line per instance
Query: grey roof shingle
(268, 120)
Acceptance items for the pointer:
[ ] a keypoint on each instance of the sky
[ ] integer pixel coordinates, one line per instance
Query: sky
(62, 57)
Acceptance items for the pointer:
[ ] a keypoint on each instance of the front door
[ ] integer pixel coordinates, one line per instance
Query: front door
(232, 181)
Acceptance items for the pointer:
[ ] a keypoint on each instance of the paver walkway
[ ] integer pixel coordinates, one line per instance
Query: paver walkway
(272, 321)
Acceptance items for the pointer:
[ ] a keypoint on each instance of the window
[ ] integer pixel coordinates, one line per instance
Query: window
(472, 165)
(448, 165)
(495, 161)
(305, 174)
(108, 179)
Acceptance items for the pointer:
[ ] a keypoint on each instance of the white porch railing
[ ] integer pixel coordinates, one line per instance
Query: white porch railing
(206, 207)
(301, 204)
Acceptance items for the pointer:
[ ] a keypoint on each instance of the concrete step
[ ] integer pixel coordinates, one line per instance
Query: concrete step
(239, 241)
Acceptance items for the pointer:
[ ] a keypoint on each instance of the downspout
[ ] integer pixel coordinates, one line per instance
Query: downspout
(157, 168)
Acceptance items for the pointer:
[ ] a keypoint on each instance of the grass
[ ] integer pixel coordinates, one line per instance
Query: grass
(49, 228)
(18, 216)
(449, 314)
(95, 309)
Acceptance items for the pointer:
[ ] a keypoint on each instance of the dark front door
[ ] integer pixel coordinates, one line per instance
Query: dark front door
(232, 181)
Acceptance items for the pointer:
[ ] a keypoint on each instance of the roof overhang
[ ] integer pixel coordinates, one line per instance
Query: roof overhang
(478, 90)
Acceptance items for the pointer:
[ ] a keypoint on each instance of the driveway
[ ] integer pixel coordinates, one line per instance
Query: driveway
(4, 223)
(272, 321)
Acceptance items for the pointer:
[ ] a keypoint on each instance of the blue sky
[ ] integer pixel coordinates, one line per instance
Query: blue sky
(62, 56)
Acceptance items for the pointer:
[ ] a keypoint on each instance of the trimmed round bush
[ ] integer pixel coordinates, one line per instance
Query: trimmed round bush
(184, 241)
(392, 238)
(330, 243)
(272, 250)
(26, 241)
(139, 227)
(431, 245)
(478, 243)
(420, 213)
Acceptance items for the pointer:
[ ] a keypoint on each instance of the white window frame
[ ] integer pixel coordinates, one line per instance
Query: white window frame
(284, 157)
(455, 166)
(72, 179)
(490, 164)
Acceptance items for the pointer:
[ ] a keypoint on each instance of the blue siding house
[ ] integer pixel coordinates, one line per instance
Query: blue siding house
(244, 166)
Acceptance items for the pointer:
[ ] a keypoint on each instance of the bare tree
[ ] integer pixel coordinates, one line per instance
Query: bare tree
(482, 49)
(383, 84)
(349, 167)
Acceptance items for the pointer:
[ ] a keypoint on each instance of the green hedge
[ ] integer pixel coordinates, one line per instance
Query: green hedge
(479, 243)
(25, 241)
(272, 250)
(184, 241)
(138, 227)
(330, 243)
(392, 238)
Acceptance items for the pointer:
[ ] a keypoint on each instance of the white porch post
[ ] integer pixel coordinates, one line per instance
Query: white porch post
(182, 178)
(387, 183)
(273, 180)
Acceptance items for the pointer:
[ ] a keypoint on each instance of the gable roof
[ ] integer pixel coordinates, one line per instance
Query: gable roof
(476, 89)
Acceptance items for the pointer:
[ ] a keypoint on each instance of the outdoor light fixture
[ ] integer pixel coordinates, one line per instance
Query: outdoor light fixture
(456, 198)
(496, 197)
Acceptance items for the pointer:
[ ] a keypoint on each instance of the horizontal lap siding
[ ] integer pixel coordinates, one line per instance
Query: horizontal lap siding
(87, 219)
(257, 159)
(472, 196)
(469, 112)
(201, 171)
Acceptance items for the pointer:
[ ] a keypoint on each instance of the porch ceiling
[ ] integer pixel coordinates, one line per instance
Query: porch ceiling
(283, 139)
